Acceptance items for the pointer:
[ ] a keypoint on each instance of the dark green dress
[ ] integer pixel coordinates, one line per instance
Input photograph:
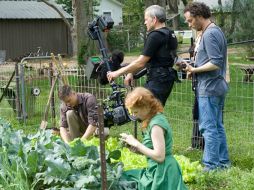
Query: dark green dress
(158, 176)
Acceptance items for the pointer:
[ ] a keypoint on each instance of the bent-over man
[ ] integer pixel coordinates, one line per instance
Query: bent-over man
(78, 114)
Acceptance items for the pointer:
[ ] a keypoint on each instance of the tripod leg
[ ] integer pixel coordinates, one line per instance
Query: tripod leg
(197, 140)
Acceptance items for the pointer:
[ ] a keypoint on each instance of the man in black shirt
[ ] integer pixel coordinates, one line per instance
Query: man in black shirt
(157, 56)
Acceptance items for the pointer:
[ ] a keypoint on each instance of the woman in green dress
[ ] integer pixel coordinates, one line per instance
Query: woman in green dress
(163, 171)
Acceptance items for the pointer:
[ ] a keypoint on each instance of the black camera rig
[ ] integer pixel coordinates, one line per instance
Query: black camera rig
(100, 23)
(114, 110)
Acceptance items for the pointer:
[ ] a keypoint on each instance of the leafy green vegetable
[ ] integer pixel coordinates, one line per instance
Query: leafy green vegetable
(44, 161)
(190, 170)
(131, 160)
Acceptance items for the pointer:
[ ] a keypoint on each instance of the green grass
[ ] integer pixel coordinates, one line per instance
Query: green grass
(186, 41)
(231, 179)
(239, 55)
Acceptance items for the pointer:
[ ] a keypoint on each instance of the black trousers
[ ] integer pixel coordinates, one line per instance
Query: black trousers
(160, 81)
(161, 90)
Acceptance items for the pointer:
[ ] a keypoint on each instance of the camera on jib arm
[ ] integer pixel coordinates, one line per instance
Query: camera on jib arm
(115, 112)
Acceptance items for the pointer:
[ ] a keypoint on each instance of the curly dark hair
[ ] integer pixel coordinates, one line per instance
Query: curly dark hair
(64, 91)
(198, 9)
(117, 58)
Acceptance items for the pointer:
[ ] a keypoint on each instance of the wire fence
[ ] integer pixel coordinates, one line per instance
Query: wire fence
(26, 102)
(7, 85)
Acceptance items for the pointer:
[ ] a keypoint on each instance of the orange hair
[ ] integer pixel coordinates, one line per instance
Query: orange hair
(141, 97)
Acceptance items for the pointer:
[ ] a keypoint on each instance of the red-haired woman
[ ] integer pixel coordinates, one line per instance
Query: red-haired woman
(163, 171)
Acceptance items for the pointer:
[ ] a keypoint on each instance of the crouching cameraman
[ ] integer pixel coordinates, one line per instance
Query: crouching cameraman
(78, 114)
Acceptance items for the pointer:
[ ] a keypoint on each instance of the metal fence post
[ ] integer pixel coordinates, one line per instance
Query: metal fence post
(22, 79)
(18, 107)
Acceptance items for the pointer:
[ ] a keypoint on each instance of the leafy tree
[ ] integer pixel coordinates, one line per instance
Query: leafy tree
(133, 19)
(133, 16)
(67, 5)
(234, 15)
(245, 25)
(171, 7)
(236, 20)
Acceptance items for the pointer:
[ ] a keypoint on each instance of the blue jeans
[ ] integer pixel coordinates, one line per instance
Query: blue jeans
(211, 126)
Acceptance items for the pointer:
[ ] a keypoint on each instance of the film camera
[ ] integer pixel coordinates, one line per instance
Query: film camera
(103, 23)
(113, 107)
(97, 68)
(182, 64)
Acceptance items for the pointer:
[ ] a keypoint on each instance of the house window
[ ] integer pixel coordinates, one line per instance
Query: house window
(107, 14)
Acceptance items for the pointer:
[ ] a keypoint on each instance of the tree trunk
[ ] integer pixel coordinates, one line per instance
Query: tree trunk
(221, 15)
(173, 6)
(234, 13)
(173, 9)
(155, 2)
(82, 13)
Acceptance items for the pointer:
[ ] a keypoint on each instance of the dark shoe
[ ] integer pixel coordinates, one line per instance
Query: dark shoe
(225, 166)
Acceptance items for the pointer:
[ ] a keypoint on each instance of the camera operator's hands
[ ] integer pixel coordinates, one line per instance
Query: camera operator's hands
(111, 75)
(129, 139)
(129, 80)
(189, 68)
(184, 66)
(181, 64)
